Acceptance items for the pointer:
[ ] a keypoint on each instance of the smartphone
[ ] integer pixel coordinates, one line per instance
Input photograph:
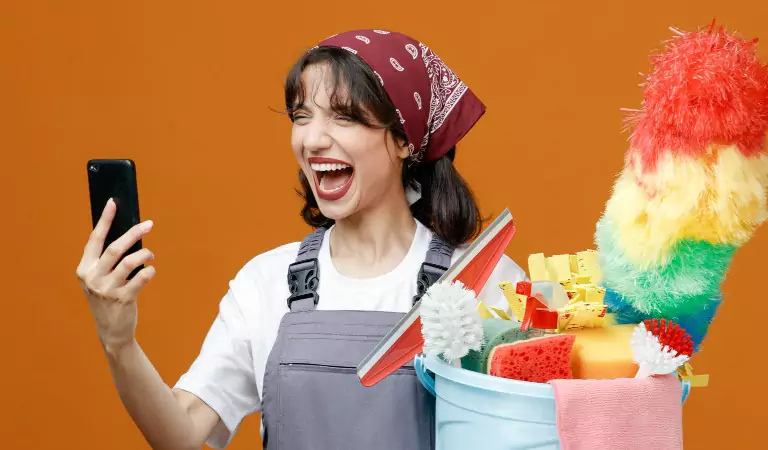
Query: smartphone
(115, 179)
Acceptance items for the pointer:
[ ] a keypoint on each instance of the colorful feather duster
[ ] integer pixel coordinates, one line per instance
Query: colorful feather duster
(693, 188)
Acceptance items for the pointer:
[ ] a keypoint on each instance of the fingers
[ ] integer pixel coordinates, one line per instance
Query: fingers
(128, 264)
(132, 288)
(117, 249)
(95, 243)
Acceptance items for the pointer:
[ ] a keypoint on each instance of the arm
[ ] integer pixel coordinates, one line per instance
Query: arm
(169, 419)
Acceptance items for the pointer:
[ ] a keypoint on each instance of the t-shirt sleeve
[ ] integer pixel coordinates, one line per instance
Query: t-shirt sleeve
(506, 270)
(222, 375)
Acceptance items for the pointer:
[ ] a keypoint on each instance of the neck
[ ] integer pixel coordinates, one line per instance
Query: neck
(373, 241)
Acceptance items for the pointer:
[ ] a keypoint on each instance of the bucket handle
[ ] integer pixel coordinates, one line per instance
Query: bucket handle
(429, 383)
(421, 373)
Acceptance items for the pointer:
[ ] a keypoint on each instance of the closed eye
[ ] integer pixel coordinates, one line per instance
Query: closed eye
(299, 119)
(345, 119)
(298, 112)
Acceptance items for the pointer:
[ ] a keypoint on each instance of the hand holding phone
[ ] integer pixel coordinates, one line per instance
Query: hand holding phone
(115, 179)
(111, 271)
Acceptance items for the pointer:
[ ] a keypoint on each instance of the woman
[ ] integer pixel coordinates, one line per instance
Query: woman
(376, 117)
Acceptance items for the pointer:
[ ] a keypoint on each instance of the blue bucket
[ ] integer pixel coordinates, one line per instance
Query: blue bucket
(475, 410)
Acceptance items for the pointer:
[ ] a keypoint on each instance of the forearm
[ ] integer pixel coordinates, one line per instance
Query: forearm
(165, 423)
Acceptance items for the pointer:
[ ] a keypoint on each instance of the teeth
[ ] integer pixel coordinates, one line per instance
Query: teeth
(328, 167)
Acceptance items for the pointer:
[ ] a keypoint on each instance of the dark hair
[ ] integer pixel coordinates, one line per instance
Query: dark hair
(447, 205)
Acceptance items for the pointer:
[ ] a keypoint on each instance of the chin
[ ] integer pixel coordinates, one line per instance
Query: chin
(338, 209)
(341, 208)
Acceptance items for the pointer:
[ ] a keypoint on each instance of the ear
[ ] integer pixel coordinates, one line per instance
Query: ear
(402, 149)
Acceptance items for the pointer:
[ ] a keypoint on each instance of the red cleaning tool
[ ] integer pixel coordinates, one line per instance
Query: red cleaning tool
(473, 269)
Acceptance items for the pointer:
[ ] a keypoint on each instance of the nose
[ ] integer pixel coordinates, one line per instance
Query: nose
(317, 138)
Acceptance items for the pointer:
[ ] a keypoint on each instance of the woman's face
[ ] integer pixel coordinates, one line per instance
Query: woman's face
(351, 167)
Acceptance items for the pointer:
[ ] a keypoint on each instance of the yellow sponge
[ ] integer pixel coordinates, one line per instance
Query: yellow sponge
(560, 267)
(537, 267)
(566, 269)
(589, 264)
(603, 353)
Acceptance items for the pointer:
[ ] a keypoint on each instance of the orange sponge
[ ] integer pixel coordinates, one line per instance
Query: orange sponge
(603, 353)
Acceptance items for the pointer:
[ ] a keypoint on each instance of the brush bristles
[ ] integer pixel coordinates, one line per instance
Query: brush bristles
(451, 324)
(670, 335)
(652, 357)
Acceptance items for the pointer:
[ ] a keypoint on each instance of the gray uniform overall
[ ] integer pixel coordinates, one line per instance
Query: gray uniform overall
(312, 396)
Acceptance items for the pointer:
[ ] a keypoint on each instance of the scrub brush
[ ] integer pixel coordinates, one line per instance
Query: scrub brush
(451, 324)
(660, 347)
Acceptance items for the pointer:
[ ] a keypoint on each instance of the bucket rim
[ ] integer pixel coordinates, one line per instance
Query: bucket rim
(488, 382)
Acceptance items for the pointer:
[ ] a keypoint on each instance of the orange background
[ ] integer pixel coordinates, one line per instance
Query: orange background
(185, 89)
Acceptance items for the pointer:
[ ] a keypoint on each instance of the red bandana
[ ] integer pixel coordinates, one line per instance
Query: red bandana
(435, 107)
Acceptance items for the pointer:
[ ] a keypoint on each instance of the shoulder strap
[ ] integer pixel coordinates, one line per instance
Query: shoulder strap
(438, 260)
(304, 274)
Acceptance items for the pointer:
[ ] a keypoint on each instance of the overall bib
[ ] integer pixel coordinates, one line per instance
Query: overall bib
(312, 396)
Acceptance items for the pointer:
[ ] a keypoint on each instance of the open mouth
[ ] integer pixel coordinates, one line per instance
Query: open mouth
(332, 177)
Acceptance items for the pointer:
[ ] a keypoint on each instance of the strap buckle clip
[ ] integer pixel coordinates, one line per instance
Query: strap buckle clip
(428, 275)
(303, 280)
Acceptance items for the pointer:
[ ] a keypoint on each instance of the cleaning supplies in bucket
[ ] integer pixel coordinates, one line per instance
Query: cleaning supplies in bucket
(518, 388)
(495, 409)
(455, 331)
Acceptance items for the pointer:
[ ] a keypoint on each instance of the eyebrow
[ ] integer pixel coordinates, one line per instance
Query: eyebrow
(303, 106)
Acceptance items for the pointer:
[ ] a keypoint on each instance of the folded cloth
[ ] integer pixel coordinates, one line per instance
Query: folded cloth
(623, 413)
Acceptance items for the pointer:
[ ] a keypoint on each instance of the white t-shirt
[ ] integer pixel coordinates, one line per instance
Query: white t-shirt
(228, 374)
